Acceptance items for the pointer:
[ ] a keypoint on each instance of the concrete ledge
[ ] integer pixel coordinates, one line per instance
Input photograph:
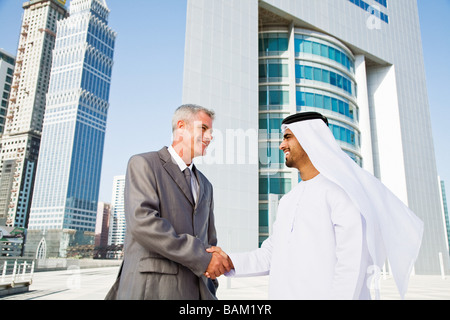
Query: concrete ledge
(14, 288)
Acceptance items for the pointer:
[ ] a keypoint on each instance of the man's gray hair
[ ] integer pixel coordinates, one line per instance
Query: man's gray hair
(187, 112)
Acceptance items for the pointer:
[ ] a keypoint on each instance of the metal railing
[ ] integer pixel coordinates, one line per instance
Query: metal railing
(16, 272)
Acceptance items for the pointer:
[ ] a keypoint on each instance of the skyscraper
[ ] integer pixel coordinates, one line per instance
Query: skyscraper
(102, 225)
(68, 174)
(358, 62)
(21, 139)
(117, 226)
(445, 212)
(7, 62)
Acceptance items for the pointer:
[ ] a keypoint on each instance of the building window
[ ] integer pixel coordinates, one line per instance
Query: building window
(273, 43)
(324, 75)
(326, 102)
(274, 183)
(273, 97)
(382, 2)
(273, 71)
(346, 135)
(306, 44)
(372, 10)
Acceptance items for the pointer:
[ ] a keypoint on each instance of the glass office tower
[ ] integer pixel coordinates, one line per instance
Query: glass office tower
(68, 173)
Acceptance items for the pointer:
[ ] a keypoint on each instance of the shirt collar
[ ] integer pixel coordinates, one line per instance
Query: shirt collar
(181, 164)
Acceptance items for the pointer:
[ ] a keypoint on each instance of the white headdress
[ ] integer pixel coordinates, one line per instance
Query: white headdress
(393, 231)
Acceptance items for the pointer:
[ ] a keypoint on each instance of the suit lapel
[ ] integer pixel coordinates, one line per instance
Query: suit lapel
(174, 171)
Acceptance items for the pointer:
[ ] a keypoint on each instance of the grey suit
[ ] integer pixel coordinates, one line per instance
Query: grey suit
(167, 234)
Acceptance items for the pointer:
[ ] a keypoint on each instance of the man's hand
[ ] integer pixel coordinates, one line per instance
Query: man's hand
(219, 264)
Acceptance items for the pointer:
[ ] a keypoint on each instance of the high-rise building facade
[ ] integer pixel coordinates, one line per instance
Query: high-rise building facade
(445, 212)
(102, 225)
(22, 135)
(117, 225)
(360, 63)
(68, 175)
(7, 63)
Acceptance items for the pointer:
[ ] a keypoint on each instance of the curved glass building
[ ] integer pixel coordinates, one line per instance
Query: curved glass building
(316, 73)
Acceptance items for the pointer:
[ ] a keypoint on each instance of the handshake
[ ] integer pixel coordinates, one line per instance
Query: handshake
(220, 263)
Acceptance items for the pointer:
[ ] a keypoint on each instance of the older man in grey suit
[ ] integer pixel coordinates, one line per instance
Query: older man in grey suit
(170, 220)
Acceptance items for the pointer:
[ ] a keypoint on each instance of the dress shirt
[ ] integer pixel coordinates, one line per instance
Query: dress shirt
(182, 165)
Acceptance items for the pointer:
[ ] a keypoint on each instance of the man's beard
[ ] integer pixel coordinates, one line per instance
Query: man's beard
(289, 163)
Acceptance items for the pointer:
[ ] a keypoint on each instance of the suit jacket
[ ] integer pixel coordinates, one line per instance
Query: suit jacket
(167, 233)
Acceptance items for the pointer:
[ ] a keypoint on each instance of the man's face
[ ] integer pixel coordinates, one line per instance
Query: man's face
(200, 133)
(294, 154)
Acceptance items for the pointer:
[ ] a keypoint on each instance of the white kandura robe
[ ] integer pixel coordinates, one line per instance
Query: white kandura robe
(317, 249)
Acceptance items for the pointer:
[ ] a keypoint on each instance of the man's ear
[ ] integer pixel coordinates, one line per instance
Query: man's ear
(181, 124)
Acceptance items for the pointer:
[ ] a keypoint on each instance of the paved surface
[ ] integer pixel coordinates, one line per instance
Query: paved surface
(93, 284)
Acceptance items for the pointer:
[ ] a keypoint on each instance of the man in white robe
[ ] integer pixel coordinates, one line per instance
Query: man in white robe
(316, 250)
(321, 246)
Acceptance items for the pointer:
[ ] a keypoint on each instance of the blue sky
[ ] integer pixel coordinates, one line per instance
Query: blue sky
(148, 74)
